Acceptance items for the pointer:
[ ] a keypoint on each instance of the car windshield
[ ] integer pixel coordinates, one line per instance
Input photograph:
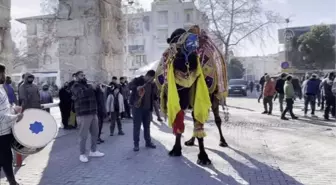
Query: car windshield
(237, 82)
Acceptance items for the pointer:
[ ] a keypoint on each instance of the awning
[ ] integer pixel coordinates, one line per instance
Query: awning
(143, 70)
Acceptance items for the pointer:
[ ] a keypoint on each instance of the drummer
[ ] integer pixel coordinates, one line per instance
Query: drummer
(7, 119)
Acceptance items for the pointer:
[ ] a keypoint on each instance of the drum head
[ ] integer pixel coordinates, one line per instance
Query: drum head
(36, 129)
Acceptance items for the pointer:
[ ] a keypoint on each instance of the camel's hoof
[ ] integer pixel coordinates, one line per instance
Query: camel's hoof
(223, 144)
(203, 159)
(190, 142)
(175, 152)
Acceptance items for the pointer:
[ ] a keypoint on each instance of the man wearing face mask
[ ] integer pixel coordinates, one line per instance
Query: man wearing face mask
(86, 109)
(29, 93)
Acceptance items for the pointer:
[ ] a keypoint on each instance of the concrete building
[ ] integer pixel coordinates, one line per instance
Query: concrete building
(5, 36)
(83, 35)
(257, 66)
(148, 33)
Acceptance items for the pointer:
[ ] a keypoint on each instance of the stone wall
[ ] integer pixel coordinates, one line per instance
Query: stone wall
(5, 36)
(88, 38)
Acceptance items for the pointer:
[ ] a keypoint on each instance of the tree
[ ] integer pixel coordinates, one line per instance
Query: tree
(317, 47)
(49, 6)
(235, 69)
(232, 21)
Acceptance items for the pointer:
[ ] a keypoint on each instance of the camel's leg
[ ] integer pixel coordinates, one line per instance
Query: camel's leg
(190, 142)
(178, 129)
(203, 158)
(218, 121)
(177, 149)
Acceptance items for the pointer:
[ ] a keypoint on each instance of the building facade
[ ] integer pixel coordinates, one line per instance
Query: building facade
(83, 35)
(148, 31)
(257, 66)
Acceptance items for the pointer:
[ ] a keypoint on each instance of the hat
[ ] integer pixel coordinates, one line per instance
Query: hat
(176, 35)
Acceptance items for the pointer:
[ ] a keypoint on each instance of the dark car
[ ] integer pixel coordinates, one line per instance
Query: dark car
(238, 87)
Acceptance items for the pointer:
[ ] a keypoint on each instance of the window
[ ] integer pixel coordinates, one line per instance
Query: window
(176, 17)
(163, 17)
(139, 60)
(188, 17)
(162, 35)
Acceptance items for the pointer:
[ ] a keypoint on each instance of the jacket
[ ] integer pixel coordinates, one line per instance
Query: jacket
(100, 102)
(269, 88)
(140, 81)
(279, 87)
(10, 93)
(110, 103)
(289, 90)
(7, 116)
(312, 87)
(84, 97)
(327, 87)
(334, 87)
(29, 94)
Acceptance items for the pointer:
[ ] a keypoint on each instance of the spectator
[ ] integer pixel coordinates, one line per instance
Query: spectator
(279, 87)
(10, 91)
(29, 93)
(251, 85)
(310, 91)
(18, 87)
(261, 82)
(115, 106)
(329, 96)
(101, 110)
(289, 95)
(65, 104)
(85, 102)
(45, 96)
(124, 90)
(114, 81)
(268, 93)
(322, 91)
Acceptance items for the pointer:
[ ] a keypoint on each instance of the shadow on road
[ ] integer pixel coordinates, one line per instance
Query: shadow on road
(262, 174)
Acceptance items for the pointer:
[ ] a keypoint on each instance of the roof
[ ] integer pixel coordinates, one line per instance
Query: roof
(39, 17)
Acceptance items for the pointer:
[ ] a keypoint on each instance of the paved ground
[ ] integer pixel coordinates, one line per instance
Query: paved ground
(264, 151)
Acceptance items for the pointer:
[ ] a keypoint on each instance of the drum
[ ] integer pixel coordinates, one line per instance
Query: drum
(34, 131)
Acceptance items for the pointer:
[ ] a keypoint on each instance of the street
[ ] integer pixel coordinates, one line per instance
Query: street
(264, 150)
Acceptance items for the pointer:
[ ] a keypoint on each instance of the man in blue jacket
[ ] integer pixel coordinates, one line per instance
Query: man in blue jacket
(311, 90)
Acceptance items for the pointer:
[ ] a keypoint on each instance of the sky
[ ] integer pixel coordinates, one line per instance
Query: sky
(300, 12)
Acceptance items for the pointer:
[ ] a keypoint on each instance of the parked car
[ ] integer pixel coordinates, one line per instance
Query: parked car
(238, 87)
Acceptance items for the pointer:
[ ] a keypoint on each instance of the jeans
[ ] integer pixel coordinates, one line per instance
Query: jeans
(88, 123)
(115, 118)
(281, 100)
(6, 157)
(309, 99)
(100, 125)
(268, 100)
(143, 116)
(289, 108)
(330, 106)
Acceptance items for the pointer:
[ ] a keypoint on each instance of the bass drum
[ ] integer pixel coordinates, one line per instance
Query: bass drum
(34, 131)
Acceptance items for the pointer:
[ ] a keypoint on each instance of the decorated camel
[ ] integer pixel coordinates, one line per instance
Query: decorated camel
(190, 75)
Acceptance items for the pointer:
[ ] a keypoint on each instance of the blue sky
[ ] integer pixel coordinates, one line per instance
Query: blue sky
(301, 12)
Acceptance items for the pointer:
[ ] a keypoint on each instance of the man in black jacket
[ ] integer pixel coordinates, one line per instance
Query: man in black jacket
(101, 110)
(142, 107)
(262, 82)
(279, 87)
(329, 96)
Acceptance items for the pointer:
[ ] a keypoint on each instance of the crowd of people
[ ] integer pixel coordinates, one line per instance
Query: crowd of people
(313, 90)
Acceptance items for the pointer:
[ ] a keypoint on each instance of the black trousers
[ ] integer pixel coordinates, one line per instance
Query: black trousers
(268, 100)
(6, 157)
(127, 109)
(289, 108)
(65, 114)
(330, 106)
(115, 119)
(100, 125)
(309, 99)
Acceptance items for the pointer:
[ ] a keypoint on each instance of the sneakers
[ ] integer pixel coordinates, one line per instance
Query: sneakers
(136, 149)
(96, 154)
(265, 112)
(121, 133)
(150, 145)
(83, 159)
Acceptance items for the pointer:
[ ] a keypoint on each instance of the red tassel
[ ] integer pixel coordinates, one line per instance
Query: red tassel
(178, 127)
